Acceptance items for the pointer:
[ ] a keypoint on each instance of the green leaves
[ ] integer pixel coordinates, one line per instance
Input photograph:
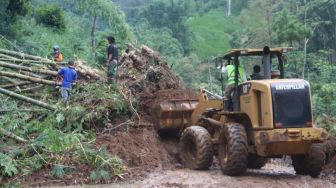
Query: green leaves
(8, 166)
(58, 171)
(289, 28)
(100, 175)
(60, 118)
(51, 16)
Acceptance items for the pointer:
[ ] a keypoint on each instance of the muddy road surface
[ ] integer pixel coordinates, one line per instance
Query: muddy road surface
(271, 176)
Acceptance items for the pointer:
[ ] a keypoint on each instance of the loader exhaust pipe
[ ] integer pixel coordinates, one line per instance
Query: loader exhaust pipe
(267, 63)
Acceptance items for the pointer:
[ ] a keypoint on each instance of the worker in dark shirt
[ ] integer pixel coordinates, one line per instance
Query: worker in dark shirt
(69, 76)
(256, 73)
(112, 58)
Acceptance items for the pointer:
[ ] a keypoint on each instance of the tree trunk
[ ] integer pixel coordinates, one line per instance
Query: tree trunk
(93, 35)
(27, 99)
(305, 41)
(29, 78)
(229, 7)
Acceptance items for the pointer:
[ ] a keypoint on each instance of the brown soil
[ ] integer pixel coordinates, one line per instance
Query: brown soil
(78, 175)
(140, 149)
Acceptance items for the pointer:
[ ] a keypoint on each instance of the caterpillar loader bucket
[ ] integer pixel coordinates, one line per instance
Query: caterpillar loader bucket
(173, 115)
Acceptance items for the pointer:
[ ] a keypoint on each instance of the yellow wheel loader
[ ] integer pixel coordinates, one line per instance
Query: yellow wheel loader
(269, 118)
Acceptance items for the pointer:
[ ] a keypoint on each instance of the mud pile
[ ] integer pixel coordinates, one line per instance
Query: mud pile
(330, 148)
(140, 149)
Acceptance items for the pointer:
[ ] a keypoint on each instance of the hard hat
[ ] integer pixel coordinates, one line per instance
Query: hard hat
(56, 47)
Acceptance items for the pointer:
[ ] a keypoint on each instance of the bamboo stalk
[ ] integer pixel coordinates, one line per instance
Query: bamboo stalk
(30, 74)
(9, 80)
(6, 56)
(12, 135)
(23, 55)
(29, 69)
(29, 78)
(20, 110)
(8, 86)
(24, 62)
(9, 58)
(31, 88)
(27, 99)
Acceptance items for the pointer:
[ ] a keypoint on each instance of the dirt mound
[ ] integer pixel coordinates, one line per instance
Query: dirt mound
(140, 149)
(330, 147)
(145, 80)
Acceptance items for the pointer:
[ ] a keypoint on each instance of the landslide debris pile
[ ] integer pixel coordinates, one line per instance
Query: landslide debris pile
(145, 76)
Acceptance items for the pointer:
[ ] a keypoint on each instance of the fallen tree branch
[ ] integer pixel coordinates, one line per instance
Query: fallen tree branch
(12, 135)
(130, 102)
(109, 129)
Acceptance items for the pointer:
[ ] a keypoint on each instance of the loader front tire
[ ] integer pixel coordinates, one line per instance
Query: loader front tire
(298, 162)
(195, 148)
(232, 151)
(255, 161)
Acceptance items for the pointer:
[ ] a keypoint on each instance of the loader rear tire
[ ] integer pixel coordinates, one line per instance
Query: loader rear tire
(315, 160)
(312, 163)
(232, 151)
(255, 161)
(195, 148)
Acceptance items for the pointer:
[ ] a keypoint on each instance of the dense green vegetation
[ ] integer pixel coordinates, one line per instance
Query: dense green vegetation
(189, 33)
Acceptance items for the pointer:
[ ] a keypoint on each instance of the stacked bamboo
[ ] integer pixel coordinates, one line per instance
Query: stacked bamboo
(22, 76)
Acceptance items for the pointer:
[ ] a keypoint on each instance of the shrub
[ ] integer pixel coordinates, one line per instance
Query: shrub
(51, 16)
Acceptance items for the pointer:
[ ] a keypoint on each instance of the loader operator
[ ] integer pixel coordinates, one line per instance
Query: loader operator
(230, 71)
(256, 73)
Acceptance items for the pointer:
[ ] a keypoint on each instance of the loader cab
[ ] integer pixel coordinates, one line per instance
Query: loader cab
(272, 61)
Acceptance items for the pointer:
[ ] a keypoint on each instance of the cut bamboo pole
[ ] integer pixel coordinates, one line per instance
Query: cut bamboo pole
(9, 80)
(8, 86)
(23, 55)
(12, 135)
(27, 99)
(29, 78)
(29, 69)
(30, 74)
(23, 62)
(31, 88)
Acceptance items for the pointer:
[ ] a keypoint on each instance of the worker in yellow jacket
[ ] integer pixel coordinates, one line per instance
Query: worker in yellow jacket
(230, 85)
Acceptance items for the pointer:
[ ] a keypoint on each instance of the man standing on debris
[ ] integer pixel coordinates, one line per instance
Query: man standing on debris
(69, 75)
(112, 58)
(230, 71)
